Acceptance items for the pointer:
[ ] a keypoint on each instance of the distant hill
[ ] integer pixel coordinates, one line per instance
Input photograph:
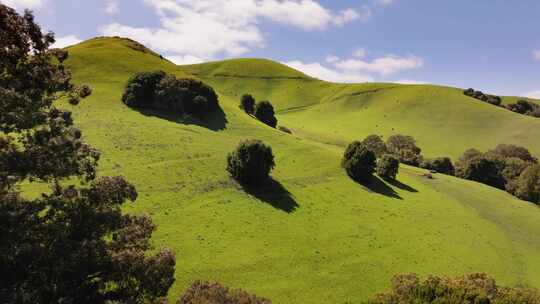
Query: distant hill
(315, 236)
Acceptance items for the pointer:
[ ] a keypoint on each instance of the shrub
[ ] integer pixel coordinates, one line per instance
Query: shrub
(247, 103)
(251, 162)
(441, 165)
(376, 144)
(528, 184)
(388, 166)
(405, 149)
(140, 90)
(264, 111)
(359, 162)
(215, 293)
(522, 107)
(284, 129)
(481, 169)
(475, 288)
(159, 91)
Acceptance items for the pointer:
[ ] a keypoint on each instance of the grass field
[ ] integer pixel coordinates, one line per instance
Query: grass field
(314, 236)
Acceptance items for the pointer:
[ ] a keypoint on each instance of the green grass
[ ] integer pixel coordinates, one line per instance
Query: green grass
(343, 241)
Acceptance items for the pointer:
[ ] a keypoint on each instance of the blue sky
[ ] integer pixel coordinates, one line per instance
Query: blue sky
(491, 45)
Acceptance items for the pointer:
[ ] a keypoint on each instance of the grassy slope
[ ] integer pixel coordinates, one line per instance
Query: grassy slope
(342, 242)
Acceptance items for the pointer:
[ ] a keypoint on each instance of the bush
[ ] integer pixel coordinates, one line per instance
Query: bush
(376, 144)
(140, 90)
(264, 111)
(251, 162)
(522, 107)
(441, 165)
(247, 103)
(359, 162)
(405, 149)
(388, 166)
(215, 293)
(284, 129)
(475, 288)
(159, 91)
(481, 169)
(528, 184)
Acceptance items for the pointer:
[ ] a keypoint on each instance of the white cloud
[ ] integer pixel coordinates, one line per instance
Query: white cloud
(410, 81)
(360, 53)
(533, 94)
(385, 2)
(386, 65)
(536, 55)
(111, 7)
(23, 4)
(324, 73)
(62, 42)
(186, 59)
(331, 58)
(208, 28)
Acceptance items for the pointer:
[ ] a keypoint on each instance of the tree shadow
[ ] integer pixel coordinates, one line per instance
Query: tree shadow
(377, 185)
(401, 185)
(215, 121)
(273, 193)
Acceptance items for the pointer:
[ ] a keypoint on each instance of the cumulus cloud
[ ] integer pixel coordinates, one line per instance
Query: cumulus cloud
(208, 28)
(62, 42)
(23, 4)
(536, 55)
(386, 65)
(410, 81)
(111, 7)
(319, 71)
(533, 94)
(186, 59)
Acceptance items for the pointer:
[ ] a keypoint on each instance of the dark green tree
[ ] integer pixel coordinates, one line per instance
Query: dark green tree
(405, 149)
(247, 103)
(72, 244)
(513, 167)
(206, 293)
(440, 164)
(251, 162)
(507, 151)
(376, 144)
(359, 162)
(528, 184)
(387, 167)
(140, 91)
(482, 169)
(264, 111)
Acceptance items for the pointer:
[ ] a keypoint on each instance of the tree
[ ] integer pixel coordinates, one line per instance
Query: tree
(388, 166)
(522, 107)
(441, 165)
(376, 144)
(482, 169)
(528, 184)
(359, 162)
(140, 90)
(513, 167)
(247, 103)
(72, 244)
(251, 162)
(507, 151)
(264, 111)
(405, 149)
(206, 293)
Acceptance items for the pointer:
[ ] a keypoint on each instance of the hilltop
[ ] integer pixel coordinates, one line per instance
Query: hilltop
(317, 237)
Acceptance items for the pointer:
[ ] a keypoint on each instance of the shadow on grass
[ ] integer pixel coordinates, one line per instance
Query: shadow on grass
(273, 193)
(401, 186)
(215, 121)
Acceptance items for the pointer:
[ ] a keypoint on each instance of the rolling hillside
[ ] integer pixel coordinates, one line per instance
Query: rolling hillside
(314, 236)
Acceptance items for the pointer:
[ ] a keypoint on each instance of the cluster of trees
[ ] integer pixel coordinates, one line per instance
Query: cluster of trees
(491, 99)
(507, 167)
(525, 107)
(476, 288)
(263, 110)
(161, 91)
(521, 106)
(72, 244)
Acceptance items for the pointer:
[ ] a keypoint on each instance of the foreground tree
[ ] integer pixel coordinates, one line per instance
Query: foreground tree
(251, 162)
(405, 149)
(376, 144)
(388, 166)
(71, 244)
(359, 162)
(206, 293)
(477, 288)
(264, 111)
(247, 103)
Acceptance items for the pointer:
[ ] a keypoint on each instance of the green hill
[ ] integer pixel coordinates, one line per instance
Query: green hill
(315, 236)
